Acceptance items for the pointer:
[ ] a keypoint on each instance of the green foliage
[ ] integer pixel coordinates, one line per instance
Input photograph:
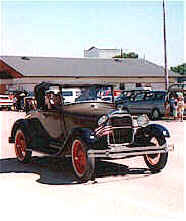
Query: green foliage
(181, 69)
(127, 55)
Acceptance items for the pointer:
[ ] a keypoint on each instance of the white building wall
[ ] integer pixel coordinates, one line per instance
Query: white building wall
(109, 53)
(91, 53)
(101, 53)
(129, 83)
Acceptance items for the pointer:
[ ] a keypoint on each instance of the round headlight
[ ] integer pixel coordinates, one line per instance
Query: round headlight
(102, 120)
(143, 120)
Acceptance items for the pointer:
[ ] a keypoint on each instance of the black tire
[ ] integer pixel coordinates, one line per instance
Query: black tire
(155, 115)
(21, 143)
(83, 165)
(156, 162)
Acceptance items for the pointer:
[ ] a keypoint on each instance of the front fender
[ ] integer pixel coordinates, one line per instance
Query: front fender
(144, 134)
(23, 124)
(86, 134)
(158, 130)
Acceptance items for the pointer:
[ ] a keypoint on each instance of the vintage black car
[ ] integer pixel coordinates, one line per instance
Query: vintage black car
(87, 130)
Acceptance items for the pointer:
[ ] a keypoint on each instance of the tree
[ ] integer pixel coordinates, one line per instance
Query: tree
(181, 69)
(127, 55)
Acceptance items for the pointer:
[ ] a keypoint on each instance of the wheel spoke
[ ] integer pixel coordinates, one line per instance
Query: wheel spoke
(153, 158)
(20, 146)
(79, 157)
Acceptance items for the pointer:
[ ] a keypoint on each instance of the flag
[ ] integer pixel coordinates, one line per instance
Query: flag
(103, 131)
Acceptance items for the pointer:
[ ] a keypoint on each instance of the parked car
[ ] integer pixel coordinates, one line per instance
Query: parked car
(106, 95)
(151, 103)
(5, 102)
(127, 94)
(70, 94)
(86, 131)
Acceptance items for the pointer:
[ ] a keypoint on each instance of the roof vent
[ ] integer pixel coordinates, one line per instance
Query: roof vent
(25, 58)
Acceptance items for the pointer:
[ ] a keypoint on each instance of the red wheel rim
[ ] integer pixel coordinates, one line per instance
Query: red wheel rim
(154, 158)
(20, 146)
(79, 157)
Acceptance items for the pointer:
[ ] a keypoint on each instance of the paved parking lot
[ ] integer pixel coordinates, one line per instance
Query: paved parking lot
(46, 189)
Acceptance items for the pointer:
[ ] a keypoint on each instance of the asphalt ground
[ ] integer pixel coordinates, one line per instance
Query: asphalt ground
(125, 189)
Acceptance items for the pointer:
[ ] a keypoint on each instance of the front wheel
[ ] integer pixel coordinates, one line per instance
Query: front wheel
(21, 142)
(83, 165)
(156, 162)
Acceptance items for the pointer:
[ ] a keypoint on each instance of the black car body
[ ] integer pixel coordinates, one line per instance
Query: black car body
(87, 130)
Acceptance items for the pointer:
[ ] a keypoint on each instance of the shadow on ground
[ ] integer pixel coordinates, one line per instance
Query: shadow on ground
(55, 171)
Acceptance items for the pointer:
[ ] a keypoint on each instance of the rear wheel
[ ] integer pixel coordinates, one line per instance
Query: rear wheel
(21, 142)
(156, 162)
(83, 165)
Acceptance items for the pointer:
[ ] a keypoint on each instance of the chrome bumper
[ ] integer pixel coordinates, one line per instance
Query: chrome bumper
(121, 151)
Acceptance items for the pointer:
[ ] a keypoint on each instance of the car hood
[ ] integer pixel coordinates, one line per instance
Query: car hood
(94, 109)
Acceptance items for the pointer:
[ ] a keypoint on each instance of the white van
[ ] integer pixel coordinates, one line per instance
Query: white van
(70, 94)
(5, 102)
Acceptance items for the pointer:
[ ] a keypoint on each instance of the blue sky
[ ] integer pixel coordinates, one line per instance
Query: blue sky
(66, 28)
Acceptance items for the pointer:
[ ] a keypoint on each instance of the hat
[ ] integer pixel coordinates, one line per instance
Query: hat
(179, 94)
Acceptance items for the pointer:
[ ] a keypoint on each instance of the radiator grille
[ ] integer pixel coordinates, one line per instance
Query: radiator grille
(121, 121)
(122, 130)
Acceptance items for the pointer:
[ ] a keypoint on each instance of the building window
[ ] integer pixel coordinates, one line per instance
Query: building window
(138, 85)
(5, 75)
(122, 86)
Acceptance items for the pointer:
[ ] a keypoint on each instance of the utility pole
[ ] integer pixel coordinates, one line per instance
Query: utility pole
(165, 49)
(121, 53)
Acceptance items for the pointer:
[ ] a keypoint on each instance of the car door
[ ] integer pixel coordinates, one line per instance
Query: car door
(135, 104)
(159, 102)
(148, 103)
(52, 119)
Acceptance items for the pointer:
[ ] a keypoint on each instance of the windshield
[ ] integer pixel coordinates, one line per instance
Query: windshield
(92, 93)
